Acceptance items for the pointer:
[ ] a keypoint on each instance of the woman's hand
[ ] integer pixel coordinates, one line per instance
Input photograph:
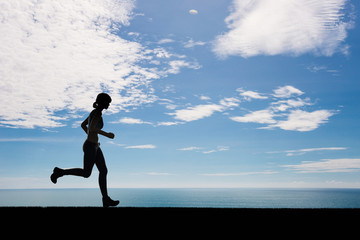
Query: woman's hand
(110, 135)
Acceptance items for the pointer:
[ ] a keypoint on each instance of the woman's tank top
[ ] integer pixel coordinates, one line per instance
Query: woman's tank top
(100, 124)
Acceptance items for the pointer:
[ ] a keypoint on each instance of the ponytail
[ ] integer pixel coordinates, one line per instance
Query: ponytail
(95, 105)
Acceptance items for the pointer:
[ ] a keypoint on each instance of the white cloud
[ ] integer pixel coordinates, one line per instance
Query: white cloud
(146, 146)
(169, 123)
(248, 95)
(191, 43)
(286, 92)
(56, 56)
(193, 11)
(162, 53)
(284, 105)
(202, 111)
(209, 151)
(288, 109)
(303, 121)
(197, 112)
(267, 27)
(315, 68)
(176, 65)
(223, 148)
(197, 149)
(229, 102)
(285, 110)
(127, 120)
(261, 116)
(205, 98)
(327, 165)
(165, 40)
(218, 149)
(189, 148)
(306, 150)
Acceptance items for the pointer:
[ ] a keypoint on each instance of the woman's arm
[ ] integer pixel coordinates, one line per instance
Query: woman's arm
(84, 125)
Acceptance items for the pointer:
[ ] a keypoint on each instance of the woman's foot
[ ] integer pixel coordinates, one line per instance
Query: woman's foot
(108, 202)
(55, 175)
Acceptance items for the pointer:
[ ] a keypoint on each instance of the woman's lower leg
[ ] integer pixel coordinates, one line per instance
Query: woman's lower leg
(74, 171)
(103, 184)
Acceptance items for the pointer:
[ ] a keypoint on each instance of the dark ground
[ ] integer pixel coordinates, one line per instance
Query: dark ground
(177, 223)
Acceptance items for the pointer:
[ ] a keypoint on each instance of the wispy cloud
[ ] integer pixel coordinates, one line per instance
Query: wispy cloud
(283, 105)
(176, 65)
(261, 116)
(284, 112)
(202, 111)
(197, 112)
(249, 95)
(166, 40)
(205, 150)
(306, 150)
(315, 68)
(169, 123)
(205, 98)
(302, 121)
(191, 43)
(58, 57)
(266, 27)
(146, 146)
(127, 120)
(286, 92)
(189, 148)
(327, 166)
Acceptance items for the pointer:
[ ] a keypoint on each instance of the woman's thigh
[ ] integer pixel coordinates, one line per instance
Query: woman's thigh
(100, 161)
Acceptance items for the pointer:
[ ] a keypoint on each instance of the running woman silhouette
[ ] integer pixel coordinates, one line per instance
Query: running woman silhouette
(92, 125)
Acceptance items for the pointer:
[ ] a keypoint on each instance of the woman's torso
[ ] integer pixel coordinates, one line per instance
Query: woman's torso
(93, 136)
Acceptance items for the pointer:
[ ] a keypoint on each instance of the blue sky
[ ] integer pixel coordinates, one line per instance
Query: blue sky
(205, 93)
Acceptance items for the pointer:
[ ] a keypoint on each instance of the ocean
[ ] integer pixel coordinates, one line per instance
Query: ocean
(186, 197)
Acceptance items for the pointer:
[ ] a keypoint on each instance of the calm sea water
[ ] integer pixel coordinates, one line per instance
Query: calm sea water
(217, 198)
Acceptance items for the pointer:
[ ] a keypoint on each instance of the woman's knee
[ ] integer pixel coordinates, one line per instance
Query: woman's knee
(87, 174)
(103, 171)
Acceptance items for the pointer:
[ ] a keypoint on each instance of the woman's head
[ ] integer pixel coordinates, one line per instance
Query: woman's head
(103, 100)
